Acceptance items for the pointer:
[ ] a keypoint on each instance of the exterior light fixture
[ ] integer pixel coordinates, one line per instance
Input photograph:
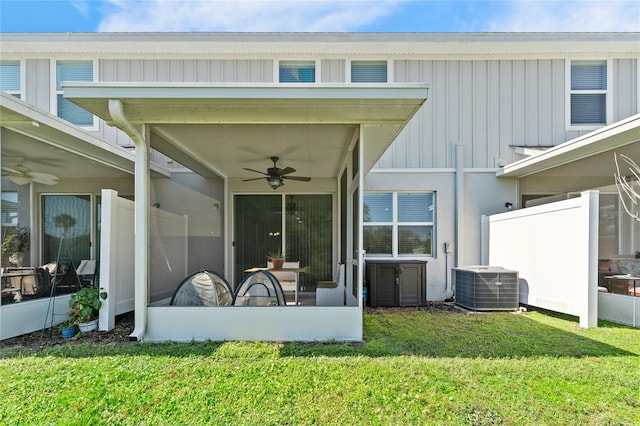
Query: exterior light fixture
(508, 206)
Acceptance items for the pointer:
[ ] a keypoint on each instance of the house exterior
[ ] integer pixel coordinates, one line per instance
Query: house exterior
(408, 140)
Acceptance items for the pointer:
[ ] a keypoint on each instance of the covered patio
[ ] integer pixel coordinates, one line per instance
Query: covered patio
(333, 134)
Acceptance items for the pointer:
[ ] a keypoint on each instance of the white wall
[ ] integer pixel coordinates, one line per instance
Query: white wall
(554, 247)
(273, 323)
(32, 315)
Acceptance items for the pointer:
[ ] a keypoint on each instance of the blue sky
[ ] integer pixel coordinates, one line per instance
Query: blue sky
(318, 16)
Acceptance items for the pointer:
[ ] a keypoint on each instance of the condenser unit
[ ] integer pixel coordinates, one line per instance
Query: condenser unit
(486, 288)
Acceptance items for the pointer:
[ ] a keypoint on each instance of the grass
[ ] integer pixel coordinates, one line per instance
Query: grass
(412, 368)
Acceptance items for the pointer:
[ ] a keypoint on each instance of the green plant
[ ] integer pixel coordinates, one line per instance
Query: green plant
(17, 241)
(276, 254)
(85, 304)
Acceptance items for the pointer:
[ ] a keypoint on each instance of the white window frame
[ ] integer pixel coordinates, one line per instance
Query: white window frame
(21, 87)
(54, 85)
(395, 224)
(276, 70)
(607, 92)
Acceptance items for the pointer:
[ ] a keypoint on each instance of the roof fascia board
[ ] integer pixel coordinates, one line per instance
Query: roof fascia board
(110, 90)
(177, 45)
(627, 131)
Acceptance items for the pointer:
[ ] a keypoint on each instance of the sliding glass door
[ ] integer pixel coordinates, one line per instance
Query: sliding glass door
(66, 225)
(303, 222)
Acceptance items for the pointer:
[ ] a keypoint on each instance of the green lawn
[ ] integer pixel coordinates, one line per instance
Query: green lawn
(412, 368)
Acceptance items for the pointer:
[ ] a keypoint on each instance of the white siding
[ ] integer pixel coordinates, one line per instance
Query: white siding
(227, 71)
(333, 70)
(492, 107)
(38, 90)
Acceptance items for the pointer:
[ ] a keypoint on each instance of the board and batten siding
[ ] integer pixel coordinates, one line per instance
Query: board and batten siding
(200, 71)
(492, 106)
(38, 90)
(625, 88)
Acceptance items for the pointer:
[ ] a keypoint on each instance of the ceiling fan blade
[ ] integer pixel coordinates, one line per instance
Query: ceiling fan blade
(301, 178)
(247, 180)
(287, 170)
(45, 181)
(12, 169)
(42, 176)
(256, 171)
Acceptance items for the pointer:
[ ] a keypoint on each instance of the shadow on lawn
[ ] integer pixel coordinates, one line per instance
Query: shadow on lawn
(422, 334)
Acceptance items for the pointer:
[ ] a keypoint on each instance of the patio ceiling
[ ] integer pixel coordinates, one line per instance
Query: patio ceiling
(48, 144)
(221, 129)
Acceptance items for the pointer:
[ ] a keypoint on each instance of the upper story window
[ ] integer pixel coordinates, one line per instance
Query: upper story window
(73, 71)
(297, 71)
(369, 71)
(588, 94)
(398, 223)
(10, 77)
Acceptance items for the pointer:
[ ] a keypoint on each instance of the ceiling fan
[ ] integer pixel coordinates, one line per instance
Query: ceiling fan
(275, 176)
(21, 175)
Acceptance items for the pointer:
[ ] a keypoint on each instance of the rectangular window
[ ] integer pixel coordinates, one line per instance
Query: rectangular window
(398, 223)
(10, 77)
(9, 209)
(297, 72)
(73, 71)
(588, 94)
(369, 71)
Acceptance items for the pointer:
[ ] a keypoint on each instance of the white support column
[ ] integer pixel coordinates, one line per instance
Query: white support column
(360, 241)
(142, 214)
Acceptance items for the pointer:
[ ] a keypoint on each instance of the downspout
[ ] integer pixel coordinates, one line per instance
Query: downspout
(459, 214)
(142, 211)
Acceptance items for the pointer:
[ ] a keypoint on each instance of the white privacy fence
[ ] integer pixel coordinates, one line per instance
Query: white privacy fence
(117, 257)
(554, 247)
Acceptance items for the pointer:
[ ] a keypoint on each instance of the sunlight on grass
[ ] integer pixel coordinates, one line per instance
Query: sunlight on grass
(412, 368)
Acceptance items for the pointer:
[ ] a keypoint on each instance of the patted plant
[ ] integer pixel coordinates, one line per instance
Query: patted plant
(85, 304)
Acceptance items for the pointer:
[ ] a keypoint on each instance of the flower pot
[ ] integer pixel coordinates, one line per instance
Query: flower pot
(68, 332)
(88, 326)
(277, 263)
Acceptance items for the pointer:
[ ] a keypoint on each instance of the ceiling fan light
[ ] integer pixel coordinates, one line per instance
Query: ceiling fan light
(275, 182)
(19, 180)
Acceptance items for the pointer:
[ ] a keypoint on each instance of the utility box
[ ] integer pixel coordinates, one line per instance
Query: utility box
(396, 283)
(486, 288)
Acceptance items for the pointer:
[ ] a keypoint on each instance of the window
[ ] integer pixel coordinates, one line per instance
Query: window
(588, 94)
(297, 72)
(10, 77)
(73, 71)
(399, 223)
(369, 71)
(9, 209)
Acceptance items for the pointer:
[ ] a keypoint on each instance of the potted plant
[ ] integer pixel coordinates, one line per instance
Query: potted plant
(68, 329)
(277, 258)
(85, 306)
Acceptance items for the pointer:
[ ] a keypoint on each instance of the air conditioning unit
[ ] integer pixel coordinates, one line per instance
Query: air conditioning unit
(486, 288)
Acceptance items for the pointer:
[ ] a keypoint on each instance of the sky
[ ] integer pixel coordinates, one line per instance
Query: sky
(318, 16)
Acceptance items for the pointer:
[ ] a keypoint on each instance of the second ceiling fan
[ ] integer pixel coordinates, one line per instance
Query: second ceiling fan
(275, 176)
